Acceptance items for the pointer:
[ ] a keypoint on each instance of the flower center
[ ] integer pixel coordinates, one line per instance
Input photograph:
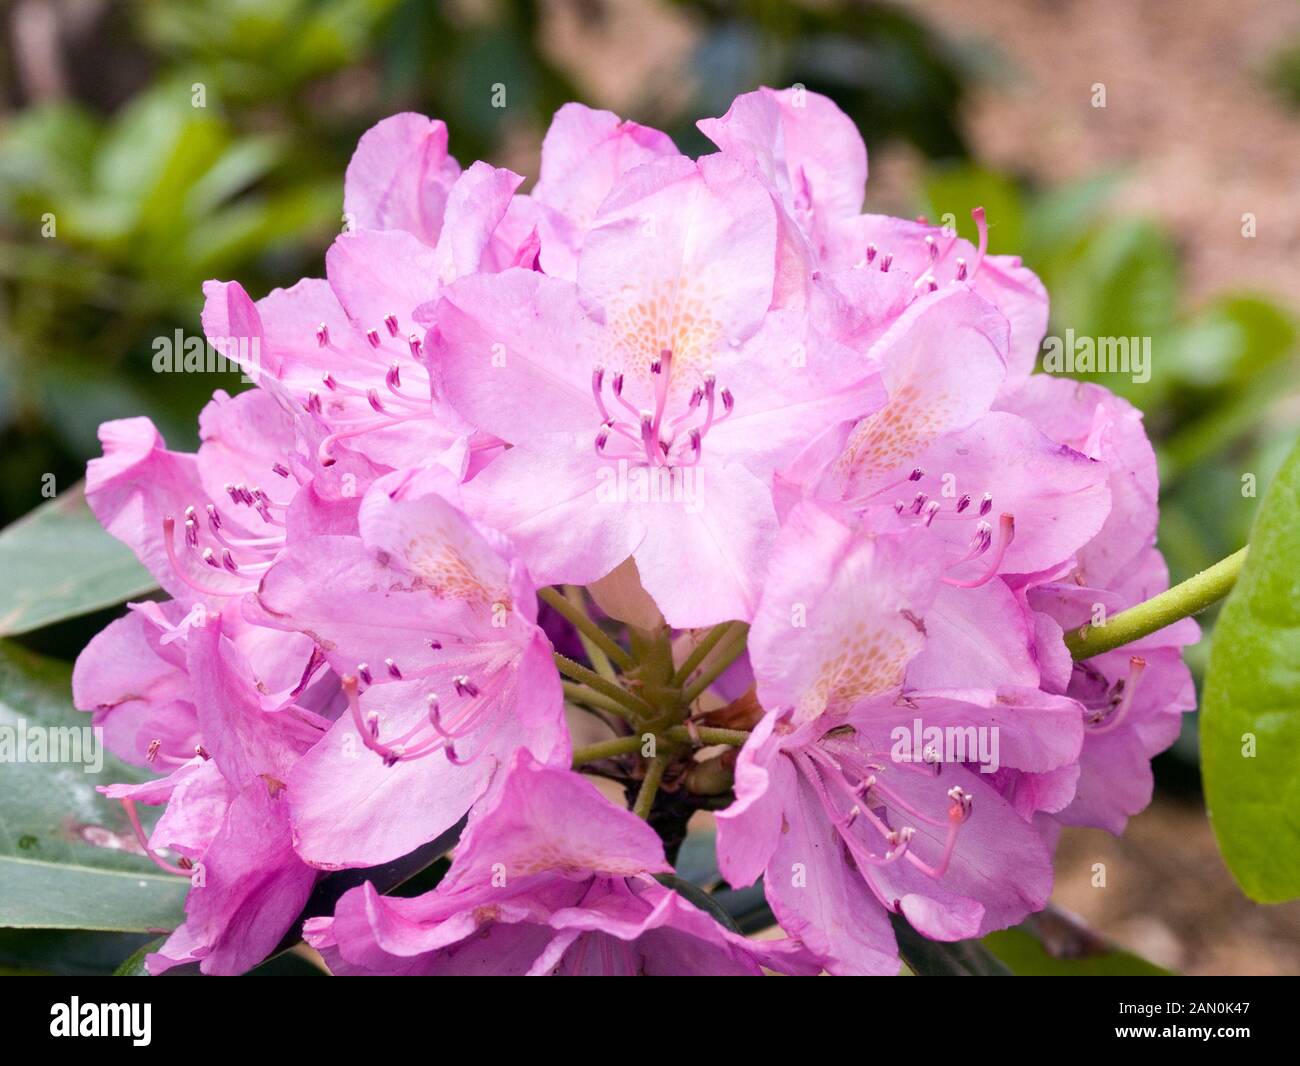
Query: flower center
(860, 805)
(659, 437)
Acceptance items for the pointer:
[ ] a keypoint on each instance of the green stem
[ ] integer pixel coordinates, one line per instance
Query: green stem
(654, 775)
(710, 735)
(606, 749)
(585, 625)
(578, 672)
(700, 652)
(576, 693)
(1192, 595)
(727, 653)
(595, 653)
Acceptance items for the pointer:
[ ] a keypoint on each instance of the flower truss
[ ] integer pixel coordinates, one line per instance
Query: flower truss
(833, 535)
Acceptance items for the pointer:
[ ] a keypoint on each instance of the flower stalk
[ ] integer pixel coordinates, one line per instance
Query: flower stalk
(1184, 599)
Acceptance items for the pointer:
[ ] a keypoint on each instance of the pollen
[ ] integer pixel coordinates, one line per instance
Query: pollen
(675, 316)
(866, 662)
(446, 573)
(888, 438)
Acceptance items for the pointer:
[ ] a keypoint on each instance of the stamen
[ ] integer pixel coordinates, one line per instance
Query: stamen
(980, 224)
(1101, 722)
(1006, 534)
(128, 805)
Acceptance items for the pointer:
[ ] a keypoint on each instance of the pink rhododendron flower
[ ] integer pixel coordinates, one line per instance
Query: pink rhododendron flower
(445, 671)
(549, 878)
(826, 810)
(822, 510)
(227, 816)
(649, 404)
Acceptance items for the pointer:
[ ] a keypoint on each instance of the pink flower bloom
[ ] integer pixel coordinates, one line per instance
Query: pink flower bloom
(432, 624)
(550, 878)
(584, 154)
(826, 810)
(708, 390)
(1001, 496)
(1135, 696)
(226, 813)
(649, 404)
(351, 348)
(805, 147)
(208, 525)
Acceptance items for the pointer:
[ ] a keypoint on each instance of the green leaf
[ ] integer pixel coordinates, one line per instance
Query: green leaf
(957, 190)
(695, 895)
(134, 965)
(1025, 955)
(59, 563)
(68, 857)
(1250, 714)
(938, 958)
(66, 952)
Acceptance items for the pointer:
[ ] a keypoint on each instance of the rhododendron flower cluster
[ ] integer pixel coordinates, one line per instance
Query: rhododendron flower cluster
(689, 455)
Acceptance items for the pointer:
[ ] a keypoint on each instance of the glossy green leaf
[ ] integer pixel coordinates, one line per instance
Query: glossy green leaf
(1024, 954)
(68, 858)
(66, 952)
(938, 958)
(1250, 714)
(59, 563)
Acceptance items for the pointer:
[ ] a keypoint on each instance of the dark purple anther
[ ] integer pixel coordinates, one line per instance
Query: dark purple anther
(963, 503)
(322, 335)
(393, 671)
(391, 322)
(363, 672)
(986, 504)
(372, 335)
